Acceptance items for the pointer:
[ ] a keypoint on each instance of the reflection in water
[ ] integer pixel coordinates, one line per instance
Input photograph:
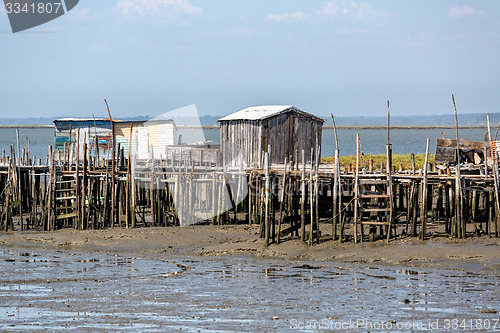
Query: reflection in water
(58, 290)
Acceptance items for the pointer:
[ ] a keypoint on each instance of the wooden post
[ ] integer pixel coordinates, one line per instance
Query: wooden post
(412, 156)
(214, 198)
(7, 212)
(127, 188)
(282, 199)
(19, 189)
(316, 192)
(113, 156)
(460, 222)
(267, 194)
(485, 153)
(303, 198)
(152, 189)
(68, 162)
(53, 182)
(77, 181)
(356, 191)
(336, 184)
(389, 176)
(34, 197)
(86, 207)
(311, 199)
(250, 194)
(423, 208)
(495, 180)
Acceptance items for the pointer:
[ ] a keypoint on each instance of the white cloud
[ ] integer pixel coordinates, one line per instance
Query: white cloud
(348, 8)
(164, 10)
(458, 12)
(286, 16)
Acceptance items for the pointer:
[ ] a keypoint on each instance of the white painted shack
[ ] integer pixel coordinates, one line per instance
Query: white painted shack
(246, 134)
(147, 136)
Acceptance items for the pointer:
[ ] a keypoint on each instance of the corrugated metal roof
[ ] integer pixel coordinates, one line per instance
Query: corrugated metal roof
(265, 111)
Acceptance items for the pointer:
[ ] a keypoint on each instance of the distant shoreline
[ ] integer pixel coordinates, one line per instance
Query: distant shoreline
(341, 127)
(26, 126)
(383, 127)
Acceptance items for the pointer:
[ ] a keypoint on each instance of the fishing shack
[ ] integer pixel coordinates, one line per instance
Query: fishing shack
(143, 137)
(146, 137)
(246, 134)
(96, 133)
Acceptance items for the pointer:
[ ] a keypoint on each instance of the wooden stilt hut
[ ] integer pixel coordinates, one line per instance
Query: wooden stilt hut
(246, 134)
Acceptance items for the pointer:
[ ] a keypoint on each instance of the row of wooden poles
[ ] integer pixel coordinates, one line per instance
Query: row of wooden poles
(89, 193)
(286, 201)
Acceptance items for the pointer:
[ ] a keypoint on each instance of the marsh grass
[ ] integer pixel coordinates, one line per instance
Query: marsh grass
(404, 159)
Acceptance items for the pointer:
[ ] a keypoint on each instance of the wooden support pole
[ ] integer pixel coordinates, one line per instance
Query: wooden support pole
(336, 184)
(282, 199)
(389, 190)
(312, 195)
(250, 194)
(423, 208)
(412, 156)
(152, 189)
(78, 202)
(267, 229)
(113, 157)
(127, 186)
(303, 198)
(19, 185)
(356, 191)
(85, 202)
(495, 180)
(459, 221)
(316, 192)
(214, 198)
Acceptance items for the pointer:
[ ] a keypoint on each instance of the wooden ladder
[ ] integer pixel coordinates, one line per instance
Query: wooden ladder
(375, 204)
(65, 195)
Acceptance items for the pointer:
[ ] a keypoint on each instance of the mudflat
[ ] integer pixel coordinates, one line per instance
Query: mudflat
(236, 240)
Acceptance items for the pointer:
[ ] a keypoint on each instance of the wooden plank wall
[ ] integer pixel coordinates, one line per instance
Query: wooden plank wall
(240, 138)
(187, 155)
(286, 133)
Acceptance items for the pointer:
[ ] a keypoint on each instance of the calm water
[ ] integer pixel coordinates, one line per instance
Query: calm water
(56, 290)
(372, 141)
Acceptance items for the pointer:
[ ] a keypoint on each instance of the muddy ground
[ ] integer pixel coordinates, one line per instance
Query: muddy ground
(474, 252)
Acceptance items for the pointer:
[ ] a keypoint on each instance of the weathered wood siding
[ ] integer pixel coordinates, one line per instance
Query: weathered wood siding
(287, 132)
(189, 155)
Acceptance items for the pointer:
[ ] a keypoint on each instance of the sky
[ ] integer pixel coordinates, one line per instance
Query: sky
(147, 57)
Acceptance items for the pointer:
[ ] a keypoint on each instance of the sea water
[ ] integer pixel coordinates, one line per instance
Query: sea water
(373, 141)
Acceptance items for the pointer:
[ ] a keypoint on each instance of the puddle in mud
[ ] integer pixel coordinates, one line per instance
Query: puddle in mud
(55, 290)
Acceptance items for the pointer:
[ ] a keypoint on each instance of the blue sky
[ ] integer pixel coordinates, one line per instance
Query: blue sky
(338, 56)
